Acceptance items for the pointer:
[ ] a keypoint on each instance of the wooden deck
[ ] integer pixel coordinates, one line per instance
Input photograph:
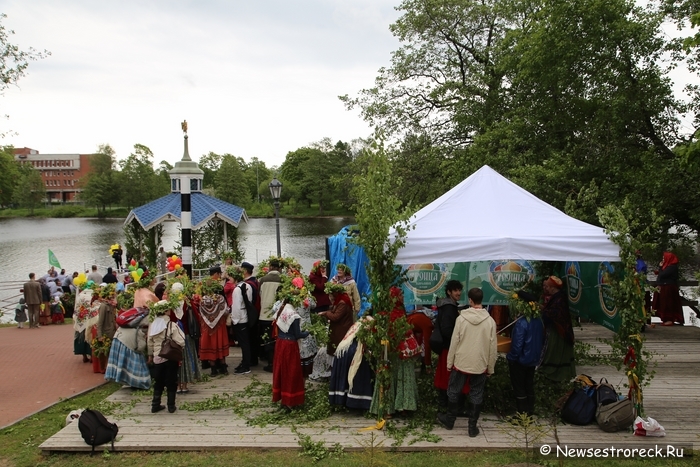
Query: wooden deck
(673, 399)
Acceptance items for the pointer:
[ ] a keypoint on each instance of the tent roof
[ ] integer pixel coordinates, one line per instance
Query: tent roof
(487, 217)
(204, 208)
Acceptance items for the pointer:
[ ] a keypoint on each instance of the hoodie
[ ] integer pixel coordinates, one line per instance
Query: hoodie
(473, 348)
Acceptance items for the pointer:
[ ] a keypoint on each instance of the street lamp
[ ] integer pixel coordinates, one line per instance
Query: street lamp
(276, 192)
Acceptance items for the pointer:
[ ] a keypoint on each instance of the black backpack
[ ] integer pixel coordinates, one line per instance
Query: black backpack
(579, 409)
(606, 393)
(249, 307)
(96, 429)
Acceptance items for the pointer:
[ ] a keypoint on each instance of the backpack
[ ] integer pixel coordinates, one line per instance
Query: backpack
(249, 307)
(96, 429)
(616, 416)
(606, 393)
(579, 408)
(131, 318)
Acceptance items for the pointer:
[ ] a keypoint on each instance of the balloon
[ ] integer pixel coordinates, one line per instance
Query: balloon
(134, 275)
(174, 257)
(132, 262)
(140, 272)
(90, 283)
(179, 261)
(80, 280)
(171, 268)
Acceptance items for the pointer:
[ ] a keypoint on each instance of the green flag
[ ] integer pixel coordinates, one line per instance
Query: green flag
(53, 261)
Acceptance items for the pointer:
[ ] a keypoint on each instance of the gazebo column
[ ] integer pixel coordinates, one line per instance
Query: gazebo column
(186, 224)
(225, 235)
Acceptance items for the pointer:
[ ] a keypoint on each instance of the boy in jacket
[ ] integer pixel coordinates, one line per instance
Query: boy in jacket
(471, 358)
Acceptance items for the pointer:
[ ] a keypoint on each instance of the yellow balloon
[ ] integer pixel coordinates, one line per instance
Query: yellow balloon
(135, 275)
(173, 257)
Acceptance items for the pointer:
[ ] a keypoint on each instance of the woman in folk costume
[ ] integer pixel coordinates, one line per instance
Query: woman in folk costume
(319, 279)
(127, 362)
(106, 324)
(57, 311)
(340, 315)
(667, 301)
(165, 371)
(287, 376)
(212, 309)
(351, 377)
(189, 367)
(344, 278)
(558, 353)
(84, 316)
(403, 390)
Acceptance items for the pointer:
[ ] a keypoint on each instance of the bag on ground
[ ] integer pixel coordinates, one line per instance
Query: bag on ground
(606, 393)
(579, 408)
(96, 429)
(648, 427)
(616, 416)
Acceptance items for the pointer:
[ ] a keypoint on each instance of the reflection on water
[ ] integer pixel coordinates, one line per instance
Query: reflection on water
(77, 243)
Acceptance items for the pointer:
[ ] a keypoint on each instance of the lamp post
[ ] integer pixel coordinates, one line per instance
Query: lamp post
(276, 192)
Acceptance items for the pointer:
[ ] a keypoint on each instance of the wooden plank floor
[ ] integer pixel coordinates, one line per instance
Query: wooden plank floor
(672, 398)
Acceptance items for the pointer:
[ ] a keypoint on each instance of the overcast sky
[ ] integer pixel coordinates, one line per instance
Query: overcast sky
(252, 78)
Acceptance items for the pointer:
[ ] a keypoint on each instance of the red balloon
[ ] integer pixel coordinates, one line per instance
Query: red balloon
(133, 262)
(171, 268)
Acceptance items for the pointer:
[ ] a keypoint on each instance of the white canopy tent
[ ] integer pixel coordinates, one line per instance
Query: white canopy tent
(487, 217)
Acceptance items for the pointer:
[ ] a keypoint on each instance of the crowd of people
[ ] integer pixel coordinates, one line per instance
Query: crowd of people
(129, 335)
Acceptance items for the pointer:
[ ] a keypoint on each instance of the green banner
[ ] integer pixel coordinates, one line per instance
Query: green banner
(53, 261)
(588, 291)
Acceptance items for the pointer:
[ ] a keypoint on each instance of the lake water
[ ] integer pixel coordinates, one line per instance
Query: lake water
(78, 243)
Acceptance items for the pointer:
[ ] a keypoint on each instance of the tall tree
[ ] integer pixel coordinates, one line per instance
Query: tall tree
(100, 187)
(209, 163)
(230, 182)
(8, 175)
(138, 181)
(30, 191)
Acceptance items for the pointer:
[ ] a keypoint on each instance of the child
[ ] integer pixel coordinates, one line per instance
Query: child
(21, 313)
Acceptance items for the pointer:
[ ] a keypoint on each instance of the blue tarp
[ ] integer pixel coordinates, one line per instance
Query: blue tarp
(343, 250)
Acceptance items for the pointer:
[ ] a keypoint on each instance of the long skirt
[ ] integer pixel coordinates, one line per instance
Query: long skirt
(45, 314)
(126, 366)
(80, 345)
(287, 379)
(442, 375)
(667, 303)
(402, 393)
(213, 345)
(558, 358)
(189, 368)
(339, 392)
(57, 318)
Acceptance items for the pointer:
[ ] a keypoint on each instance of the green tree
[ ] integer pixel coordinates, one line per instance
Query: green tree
(13, 61)
(100, 187)
(255, 172)
(138, 181)
(209, 163)
(30, 191)
(8, 175)
(230, 183)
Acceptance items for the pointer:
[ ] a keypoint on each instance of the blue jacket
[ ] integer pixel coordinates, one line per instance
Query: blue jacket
(527, 340)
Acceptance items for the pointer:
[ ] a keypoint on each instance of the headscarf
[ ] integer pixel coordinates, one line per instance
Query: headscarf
(554, 281)
(287, 317)
(669, 259)
(176, 289)
(212, 308)
(342, 297)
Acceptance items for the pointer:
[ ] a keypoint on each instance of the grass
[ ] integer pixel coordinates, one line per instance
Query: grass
(64, 211)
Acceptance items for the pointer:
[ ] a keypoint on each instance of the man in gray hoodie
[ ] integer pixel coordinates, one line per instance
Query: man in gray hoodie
(471, 359)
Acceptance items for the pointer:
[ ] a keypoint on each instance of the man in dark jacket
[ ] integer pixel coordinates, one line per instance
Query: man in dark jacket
(109, 278)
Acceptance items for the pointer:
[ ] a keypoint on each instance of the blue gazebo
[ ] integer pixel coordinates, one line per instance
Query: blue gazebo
(204, 207)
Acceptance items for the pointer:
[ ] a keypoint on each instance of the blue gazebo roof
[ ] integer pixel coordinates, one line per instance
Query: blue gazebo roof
(204, 208)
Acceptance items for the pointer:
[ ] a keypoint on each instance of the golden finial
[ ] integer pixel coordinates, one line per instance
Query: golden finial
(184, 126)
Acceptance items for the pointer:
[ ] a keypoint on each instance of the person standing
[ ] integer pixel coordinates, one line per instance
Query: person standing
(344, 277)
(165, 372)
(667, 301)
(339, 316)
(162, 260)
(558, 353)
(269, 284)
(318, 278)
(239, 318)
(447, 314)
(527, 340)
(109, 278)
(95, 276)
(256, 348)
(212, 310)
(471, 358)
(21, 313)
(45, 315)
(117, 254)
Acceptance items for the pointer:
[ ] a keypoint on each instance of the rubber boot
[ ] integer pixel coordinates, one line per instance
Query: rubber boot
(462, 406)
(448, 419)
(530, 405)
(473, 429)
(214, 368)
(171, 401)
(521, 405)
(223, 368)
(442, 400)
(155, 404)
